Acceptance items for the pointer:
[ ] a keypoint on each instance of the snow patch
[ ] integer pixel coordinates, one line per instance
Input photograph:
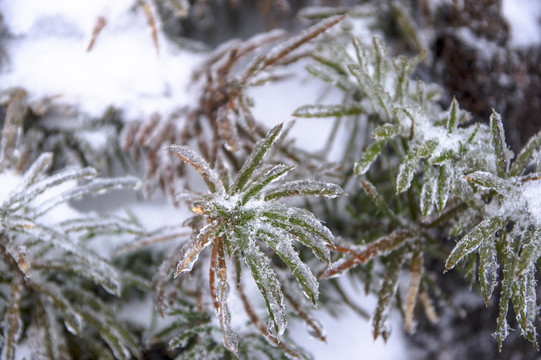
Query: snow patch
(9, 181)
(485, 48)
(22, 16)
(349, 336)
(531, 191)
(524, 18)
(275, 102)
(48, 55)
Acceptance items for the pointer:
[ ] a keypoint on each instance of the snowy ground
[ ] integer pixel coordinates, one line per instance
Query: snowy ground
(124, 69)
(350, 337)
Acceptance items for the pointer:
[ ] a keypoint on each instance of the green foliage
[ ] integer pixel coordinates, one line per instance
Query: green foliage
(243, 216)
(464, 172)
(194, 333)
(47, 266)
(425, 186)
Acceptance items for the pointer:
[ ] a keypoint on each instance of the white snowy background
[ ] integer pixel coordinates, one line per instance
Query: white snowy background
(47, 56)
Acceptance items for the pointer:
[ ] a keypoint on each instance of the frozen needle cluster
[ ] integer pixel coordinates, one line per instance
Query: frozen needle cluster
(240, 218)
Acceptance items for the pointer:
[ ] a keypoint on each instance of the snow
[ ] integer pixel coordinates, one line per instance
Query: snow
(21, 16)
(275, 102)
(485, 48)
(524, 18)
(189, 156)
(47, 54)
(139, 312)
(522, 203)
(96, 139)
(349, 336)
(9, 181)
(531, 191)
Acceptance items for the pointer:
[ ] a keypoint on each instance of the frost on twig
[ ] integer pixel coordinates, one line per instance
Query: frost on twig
(220, 124)
(37, 254)
(427, 172)
(244, 216)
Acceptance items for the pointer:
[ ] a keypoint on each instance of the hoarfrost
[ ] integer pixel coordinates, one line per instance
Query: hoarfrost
(303, 188)
(269, 286)
(280, 241)
(16, 199)
(98, 271)
(308, 230)
(97, 186)
(72, 319)
(191, 251)
(192, 158)
(427, 197)
(42, 164)
(99, 224)
(225, 120)
(287, 47)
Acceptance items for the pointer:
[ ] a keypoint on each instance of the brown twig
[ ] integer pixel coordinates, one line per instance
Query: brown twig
(151, 20)
(416, 272)
(317, 331)
(100, 24)
(378, 247)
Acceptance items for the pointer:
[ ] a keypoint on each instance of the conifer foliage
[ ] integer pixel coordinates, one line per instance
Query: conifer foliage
(452, 175)
(419, 190)
(240, 218)
(50, 272)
